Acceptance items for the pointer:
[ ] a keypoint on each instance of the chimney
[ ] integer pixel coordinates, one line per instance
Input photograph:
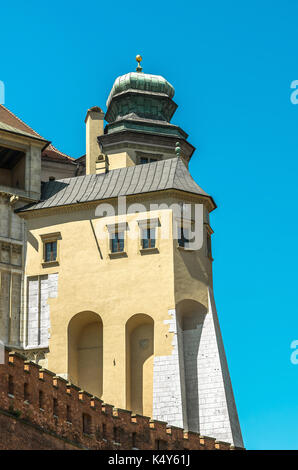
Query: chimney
(94, 127)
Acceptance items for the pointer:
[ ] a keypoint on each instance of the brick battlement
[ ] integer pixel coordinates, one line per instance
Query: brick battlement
(41, 410)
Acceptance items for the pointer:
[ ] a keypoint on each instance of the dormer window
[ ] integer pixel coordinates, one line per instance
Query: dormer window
(143, 158)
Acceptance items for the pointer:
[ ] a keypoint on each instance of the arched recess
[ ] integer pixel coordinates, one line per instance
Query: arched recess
(190, 317)
(139, 364)
(85, 352)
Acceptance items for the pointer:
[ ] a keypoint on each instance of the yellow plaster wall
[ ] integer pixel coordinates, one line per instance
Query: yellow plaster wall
(115, 289)
(120, 160)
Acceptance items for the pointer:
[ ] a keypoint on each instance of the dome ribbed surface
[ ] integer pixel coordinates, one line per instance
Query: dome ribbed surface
(142, 82)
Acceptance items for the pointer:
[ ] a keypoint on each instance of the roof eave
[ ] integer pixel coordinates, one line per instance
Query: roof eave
(23, 212)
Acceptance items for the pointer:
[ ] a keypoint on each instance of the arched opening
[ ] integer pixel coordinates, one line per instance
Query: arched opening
(190, 316)
(85, 352)
(139, 364)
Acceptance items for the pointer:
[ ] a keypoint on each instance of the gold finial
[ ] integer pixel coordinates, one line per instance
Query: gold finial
(139, 60)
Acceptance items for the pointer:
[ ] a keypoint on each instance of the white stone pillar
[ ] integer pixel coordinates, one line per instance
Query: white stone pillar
(217, 409)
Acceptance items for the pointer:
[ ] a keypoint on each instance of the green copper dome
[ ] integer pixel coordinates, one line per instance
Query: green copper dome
(142, 82)
(141, 102)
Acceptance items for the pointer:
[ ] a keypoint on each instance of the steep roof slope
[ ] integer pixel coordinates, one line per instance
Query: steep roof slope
(11, 123)
(150, 177)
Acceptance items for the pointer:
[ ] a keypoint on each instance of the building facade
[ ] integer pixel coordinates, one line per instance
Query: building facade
(112, 296)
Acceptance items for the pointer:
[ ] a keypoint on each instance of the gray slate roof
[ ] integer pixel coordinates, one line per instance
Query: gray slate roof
(155, 176)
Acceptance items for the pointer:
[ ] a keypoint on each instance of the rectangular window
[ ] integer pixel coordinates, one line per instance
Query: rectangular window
(50, 251)
(55, 407)
(40, 399)
(143, 160)
(183, 237)
(68, 413)
(86, 423)
(117, 242)
(51, 248)
(26, 392)
(10, 385)
(148, 238)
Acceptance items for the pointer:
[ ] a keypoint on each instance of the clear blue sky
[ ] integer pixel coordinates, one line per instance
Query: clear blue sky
(231, 64)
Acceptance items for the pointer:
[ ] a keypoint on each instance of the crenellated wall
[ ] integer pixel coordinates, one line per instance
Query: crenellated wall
(39, 410)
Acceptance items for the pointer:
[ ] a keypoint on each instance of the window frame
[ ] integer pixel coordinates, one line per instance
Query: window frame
(151, 158)
(52, 252)
(180, 225)
(151, 224)
(46, 239)
(119, 240)
(113, 229)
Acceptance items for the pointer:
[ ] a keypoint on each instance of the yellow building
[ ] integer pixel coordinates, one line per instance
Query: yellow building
(117, 296)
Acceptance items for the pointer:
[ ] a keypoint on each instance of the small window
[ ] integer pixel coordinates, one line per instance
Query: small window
(55, 407)
(134, 439)
(68, 413)
(148, 238)
(183, 237)
(144, 160)
(26, 392)
(50, 247)
(10, 385)
(40, 399)
(86, 423)
(50, 251)
(117, 242)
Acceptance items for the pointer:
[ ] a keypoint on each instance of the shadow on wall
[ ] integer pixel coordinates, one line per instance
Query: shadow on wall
(85, 352)
(139, 364)
(190, 319)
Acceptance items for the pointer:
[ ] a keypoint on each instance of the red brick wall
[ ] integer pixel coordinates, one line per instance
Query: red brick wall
(69, 418)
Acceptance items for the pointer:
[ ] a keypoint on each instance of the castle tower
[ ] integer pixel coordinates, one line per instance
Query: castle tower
(129, 297)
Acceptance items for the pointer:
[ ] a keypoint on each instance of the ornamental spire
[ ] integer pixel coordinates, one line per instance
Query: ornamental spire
(139, 60)
(177, 149)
